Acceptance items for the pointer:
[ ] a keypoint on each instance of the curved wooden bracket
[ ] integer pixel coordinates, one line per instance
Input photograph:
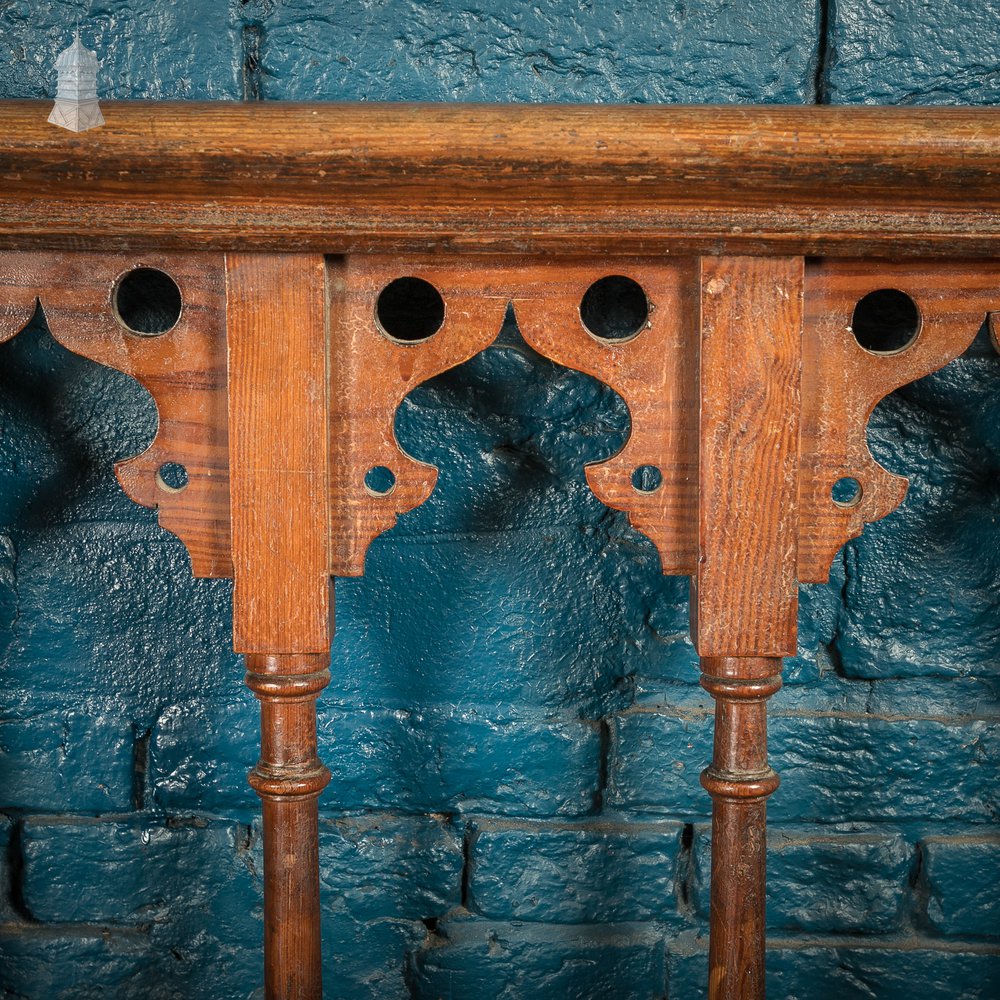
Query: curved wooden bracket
(370, 374)
(656, 373)
(842, 384)
(184, 370)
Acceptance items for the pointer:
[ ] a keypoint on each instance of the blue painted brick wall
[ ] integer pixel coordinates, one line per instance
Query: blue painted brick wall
(514, 726)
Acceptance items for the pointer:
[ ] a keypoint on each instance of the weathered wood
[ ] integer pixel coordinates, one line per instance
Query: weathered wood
(748, 448)
(744, 598)
(278, 452)
(276, 334)
(184, 369)
(575, 180)
(656, 373)
(842, 383)
(370, 374)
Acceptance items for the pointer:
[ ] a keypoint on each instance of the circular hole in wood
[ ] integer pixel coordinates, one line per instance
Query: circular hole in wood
(147, 302)
(614, 309)
(885, 321)
(846, 492)
(409, 310)
(380, 481)
(646, 479)
(171, 477)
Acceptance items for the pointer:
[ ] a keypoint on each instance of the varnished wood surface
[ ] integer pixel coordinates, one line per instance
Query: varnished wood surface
(748, 454)
(277, 364)
(571, 179)
(744, 596)
(739, 781)
(276, 307)
(842, 383)
(184, 369)
(655, 373)
(370, 374)
(288, 778)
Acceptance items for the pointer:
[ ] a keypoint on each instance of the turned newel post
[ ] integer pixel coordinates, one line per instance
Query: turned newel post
(745, 594)
(276, 336)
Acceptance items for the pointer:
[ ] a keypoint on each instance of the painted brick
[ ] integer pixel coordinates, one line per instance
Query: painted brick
(70, 963)
(179, 633)
(856, 969)
(826, 881)
(961, 887)
(63, 759)
(411, 629)
(833, 767)
(936, 432)
(138, 870)
(591, 873)
(914, 52)
(381, 866)
(504, 611)
(415, 761)
(197, 883)
(564, 51)
(66, 421)
(7, 835)
(487, 960)
(367, 960)
(159, 52)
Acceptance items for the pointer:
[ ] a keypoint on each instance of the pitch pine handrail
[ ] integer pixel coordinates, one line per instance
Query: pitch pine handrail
(566, 178)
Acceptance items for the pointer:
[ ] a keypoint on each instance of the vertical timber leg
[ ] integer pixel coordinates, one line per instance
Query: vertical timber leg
(745, 594)
(276, 333)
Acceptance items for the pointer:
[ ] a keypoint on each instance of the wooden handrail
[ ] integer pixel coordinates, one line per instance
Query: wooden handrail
(572, 179)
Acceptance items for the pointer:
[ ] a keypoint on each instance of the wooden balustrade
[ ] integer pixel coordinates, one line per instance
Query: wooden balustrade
(752, 234)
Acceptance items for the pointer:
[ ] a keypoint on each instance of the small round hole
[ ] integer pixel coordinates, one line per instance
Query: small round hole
(409, 310)
(885, 321)
(614, 308)
(380, 481)
(171, 477)
(646, 479)
(147, 302)
(846, 492)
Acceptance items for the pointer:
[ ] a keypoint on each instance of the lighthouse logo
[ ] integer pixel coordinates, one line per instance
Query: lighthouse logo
(76, 106)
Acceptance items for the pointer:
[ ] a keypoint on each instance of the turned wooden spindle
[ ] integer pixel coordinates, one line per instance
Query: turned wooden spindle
(739, 781)
(289, 778)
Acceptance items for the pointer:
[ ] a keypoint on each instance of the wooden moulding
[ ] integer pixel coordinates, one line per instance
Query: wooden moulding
(570, 179)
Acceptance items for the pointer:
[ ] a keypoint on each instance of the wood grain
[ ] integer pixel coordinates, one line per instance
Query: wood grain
(842, 383)
(370, 374)
(567, 179)
(744, 599)
(183, 369)
(278, 419)
(656, 373)
(746, 389)
(278, 452)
